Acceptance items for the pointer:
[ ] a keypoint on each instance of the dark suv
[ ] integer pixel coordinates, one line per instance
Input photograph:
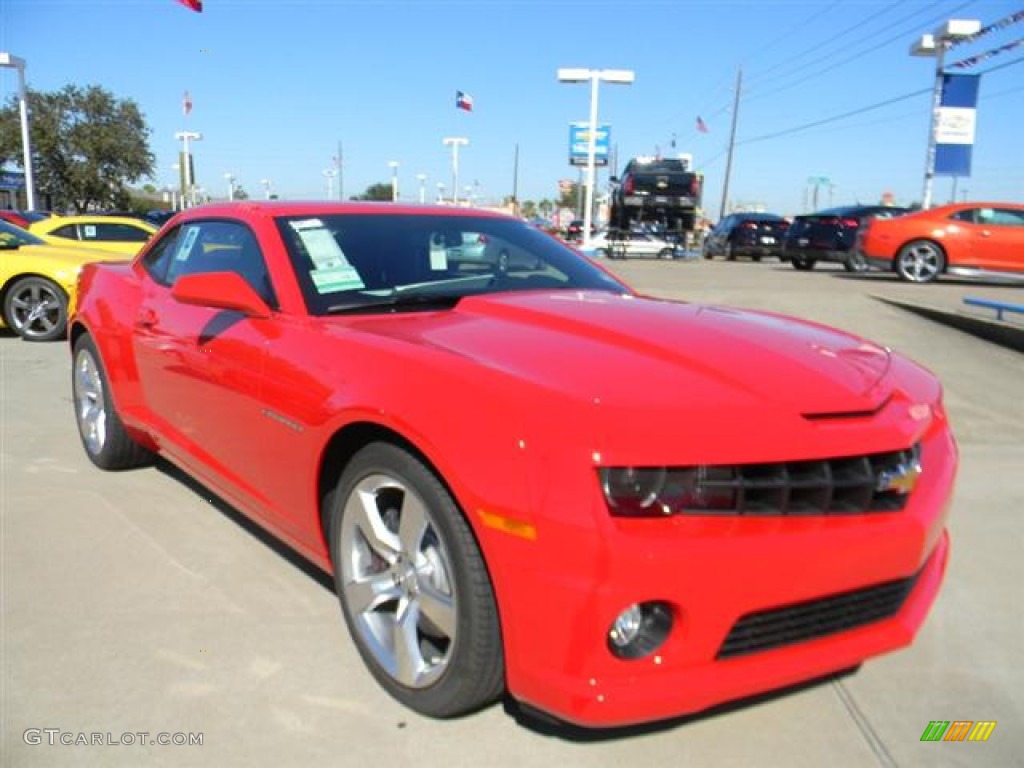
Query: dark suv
(830, 235)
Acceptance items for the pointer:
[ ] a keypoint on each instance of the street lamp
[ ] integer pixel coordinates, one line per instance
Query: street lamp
(266, 187)
(15, 62)
(935, 46)
(393, 164)
(455, 142)
(188, 191)
(231, 185)
(593, 76)
(440, 192)
(329, 174)
(422, 179)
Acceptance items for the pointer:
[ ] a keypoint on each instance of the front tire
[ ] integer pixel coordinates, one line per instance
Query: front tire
(803, 264)
(920, 261)
(104, 438)
(666, 253)
(413, 585)
(36, 309)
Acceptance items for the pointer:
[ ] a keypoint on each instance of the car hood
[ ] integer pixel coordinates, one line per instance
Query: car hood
(613, 348)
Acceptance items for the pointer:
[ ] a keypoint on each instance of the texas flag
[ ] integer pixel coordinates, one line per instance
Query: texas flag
(195, 5)
(463, 101)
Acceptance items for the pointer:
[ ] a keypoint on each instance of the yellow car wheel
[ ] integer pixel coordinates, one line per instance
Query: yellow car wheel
(36, 309)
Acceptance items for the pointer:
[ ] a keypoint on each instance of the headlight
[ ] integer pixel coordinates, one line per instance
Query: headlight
(656, 491)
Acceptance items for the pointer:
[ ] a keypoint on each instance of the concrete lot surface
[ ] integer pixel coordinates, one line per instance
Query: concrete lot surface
(132, 603)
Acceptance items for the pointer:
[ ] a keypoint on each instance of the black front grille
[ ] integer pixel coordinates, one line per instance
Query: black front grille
(849, 485)
(816, 618)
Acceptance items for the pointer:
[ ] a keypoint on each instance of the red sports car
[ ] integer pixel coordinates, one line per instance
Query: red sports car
(492, 457)
(962, 239)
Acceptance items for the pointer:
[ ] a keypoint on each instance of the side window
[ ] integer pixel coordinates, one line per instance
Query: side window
(158, 259)
(968, 215)
(121, 233)
(68, 230)
(219, 246)
(1007, 217)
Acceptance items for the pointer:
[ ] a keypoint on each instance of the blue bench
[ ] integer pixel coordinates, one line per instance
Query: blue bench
(999, 306)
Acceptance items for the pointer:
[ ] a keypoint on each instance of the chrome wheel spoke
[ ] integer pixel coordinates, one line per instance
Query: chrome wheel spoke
(412, 525)
(438, 609)
(367, 519)
(367, 594)
(409, 664)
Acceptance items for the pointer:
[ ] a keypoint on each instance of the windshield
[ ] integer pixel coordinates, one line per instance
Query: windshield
(345, 262)
(12, 236)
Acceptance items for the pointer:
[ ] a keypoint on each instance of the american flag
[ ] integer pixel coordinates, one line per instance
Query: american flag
(195, 5)
(702, 127)
(186, 104)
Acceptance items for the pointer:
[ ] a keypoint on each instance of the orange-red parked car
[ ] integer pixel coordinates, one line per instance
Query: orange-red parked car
(962, 239)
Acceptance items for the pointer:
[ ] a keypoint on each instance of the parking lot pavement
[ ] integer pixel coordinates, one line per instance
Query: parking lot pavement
(133, 602)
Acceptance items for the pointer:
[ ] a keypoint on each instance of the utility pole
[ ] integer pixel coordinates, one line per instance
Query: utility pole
(515, 183)
(732, 142)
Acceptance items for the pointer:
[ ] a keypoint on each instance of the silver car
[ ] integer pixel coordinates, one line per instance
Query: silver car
(619, 244)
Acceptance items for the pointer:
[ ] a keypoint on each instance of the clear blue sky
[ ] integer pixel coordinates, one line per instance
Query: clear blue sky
(276, 84)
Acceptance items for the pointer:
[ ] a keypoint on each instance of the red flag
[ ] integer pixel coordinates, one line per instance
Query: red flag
(702, 127)
(186, 104)
(195, 5)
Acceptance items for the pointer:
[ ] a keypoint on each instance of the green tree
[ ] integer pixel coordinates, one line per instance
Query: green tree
(528, 208)
(379, 191)
(569, 197)
(545, 207)
(88, 146)
(240, 193)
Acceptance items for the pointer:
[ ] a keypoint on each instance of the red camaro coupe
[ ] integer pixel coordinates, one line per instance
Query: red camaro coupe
(524, 476)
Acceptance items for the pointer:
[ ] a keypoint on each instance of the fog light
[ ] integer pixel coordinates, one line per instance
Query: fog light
(640, 630)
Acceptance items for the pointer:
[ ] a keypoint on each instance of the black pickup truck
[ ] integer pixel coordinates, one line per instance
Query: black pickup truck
(661, 192)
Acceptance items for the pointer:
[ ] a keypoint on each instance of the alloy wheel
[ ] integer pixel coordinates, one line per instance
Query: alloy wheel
(90, 408)
(397, 579)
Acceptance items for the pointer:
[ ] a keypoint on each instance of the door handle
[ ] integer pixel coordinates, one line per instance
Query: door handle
(146, 318)
(986, 233)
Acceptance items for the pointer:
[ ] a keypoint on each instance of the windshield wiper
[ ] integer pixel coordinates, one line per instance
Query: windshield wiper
(398, 302)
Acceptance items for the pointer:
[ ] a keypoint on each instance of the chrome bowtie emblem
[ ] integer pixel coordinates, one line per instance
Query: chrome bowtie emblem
(900, 479)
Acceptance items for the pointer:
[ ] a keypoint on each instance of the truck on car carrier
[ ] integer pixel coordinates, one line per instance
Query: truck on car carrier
(657, 193)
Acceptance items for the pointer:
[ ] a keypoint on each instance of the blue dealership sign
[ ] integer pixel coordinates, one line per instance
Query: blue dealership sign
(955, 124)
(579, 143)
(12, 181)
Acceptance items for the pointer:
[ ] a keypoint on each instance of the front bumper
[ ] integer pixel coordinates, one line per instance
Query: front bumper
(712, 572)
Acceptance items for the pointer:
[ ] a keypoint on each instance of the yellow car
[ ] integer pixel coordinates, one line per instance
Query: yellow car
(120, 234)
(37, 282)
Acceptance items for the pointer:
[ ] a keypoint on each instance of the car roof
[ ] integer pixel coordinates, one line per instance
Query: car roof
(285, 208)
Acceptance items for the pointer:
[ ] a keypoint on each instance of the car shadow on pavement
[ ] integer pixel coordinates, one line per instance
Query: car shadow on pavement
(546, 725)
(172, 471)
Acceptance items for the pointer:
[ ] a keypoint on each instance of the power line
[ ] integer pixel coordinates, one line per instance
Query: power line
(857, 54)
(835, 118)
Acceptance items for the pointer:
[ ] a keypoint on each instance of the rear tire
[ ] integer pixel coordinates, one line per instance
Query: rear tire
(103, 435)
(413, 585)
(666, 253)
(803, 264)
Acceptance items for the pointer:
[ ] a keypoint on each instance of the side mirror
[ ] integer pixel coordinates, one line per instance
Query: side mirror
(223, 290)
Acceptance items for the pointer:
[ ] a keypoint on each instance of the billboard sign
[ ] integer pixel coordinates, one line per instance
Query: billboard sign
(579, 143)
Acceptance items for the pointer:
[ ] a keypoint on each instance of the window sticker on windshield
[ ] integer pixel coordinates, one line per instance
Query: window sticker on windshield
(298, 226)
(191, 233)
(90, 231)
(337, 279)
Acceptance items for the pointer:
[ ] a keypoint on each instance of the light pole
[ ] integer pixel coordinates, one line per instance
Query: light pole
(188, 191)
(935, 46)
(422, 179)
(15, 62)
(440, 192)
(393, 164)
(329, 174)
(455, 142)
(231, 185)
(593, 76)
(266, 187)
